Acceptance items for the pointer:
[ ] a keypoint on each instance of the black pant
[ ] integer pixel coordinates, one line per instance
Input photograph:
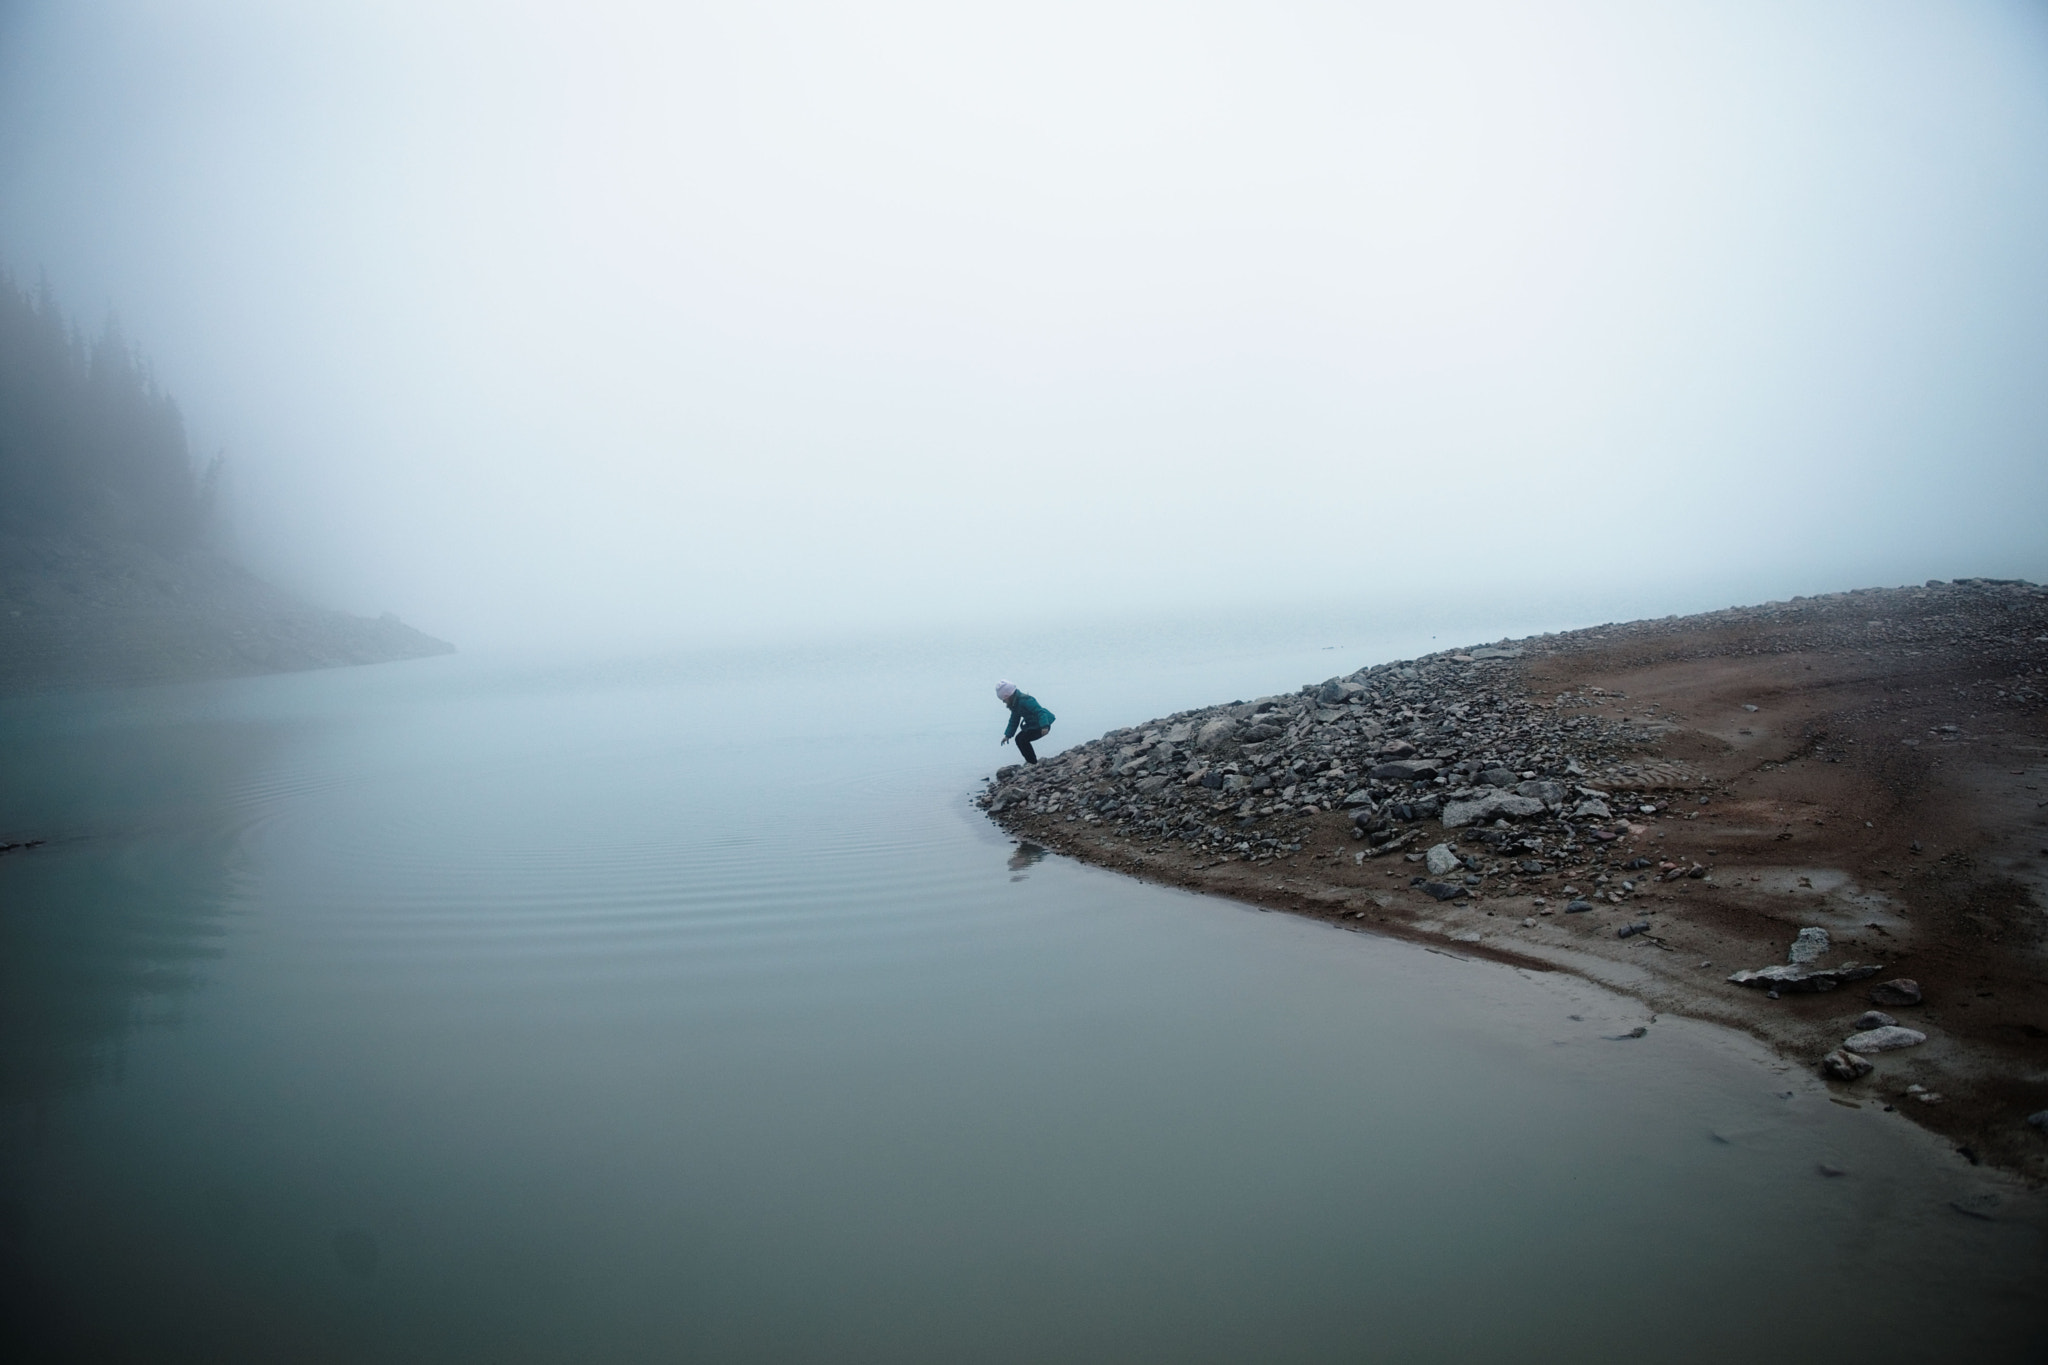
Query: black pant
(1024, 738)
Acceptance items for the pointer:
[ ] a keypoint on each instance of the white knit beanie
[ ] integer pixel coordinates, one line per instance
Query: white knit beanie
(1006, 689)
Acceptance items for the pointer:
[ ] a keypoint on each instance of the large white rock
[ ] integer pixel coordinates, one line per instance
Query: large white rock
(1883, 1039)
(1440, 861)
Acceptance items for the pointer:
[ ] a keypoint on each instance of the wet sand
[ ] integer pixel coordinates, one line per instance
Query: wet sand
(1868, 763)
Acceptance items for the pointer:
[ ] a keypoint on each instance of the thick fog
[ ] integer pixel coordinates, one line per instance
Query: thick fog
(612, 321)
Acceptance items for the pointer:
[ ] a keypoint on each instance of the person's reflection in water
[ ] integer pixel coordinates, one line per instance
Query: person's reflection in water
(1027, 853)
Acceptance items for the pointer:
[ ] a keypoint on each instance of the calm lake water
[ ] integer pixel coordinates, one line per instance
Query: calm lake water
(469, 1011)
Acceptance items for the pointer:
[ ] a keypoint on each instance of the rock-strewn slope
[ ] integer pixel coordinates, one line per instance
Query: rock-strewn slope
(1661, 805)
(81, 612)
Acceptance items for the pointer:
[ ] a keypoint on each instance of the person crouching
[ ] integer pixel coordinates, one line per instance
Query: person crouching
(1028, 720)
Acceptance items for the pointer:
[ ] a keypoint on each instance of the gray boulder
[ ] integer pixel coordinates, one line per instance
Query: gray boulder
(1549, 793)
(1810, 946)
(1873, 1019)
(1497, 777)
(1900, 990)
(1216, 733)
(1886, 1039)
(1493, 806)
(1152, 785)
(1440, 861)
(1591, 810)
(1845, 1065)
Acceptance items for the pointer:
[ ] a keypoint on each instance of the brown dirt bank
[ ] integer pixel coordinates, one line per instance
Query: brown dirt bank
(1868, 763)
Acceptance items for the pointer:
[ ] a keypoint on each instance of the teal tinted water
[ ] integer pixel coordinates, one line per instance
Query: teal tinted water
(468, 1012)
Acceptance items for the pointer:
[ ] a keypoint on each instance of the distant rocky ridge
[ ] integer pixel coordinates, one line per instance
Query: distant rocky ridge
(83, 611)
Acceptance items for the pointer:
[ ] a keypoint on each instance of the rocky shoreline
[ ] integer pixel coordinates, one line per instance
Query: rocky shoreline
(78, 611)
(1773, 817)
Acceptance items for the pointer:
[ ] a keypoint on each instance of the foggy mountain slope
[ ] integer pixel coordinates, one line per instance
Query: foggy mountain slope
(76, 611)
(107, 574)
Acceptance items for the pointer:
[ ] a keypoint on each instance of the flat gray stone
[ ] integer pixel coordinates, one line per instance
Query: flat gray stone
(1403, 770)
(1790, 978)
(1591, 810)
(1493, 806)
(1873, 1019)
(1887, 1039)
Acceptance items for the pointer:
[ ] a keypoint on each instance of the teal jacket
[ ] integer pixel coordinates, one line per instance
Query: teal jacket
(1025, 711)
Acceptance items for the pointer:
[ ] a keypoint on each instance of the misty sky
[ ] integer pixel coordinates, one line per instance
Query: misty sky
(594, 320)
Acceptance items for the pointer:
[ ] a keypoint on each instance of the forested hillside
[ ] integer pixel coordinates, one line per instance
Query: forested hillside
(107, 576)
(88, 442)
